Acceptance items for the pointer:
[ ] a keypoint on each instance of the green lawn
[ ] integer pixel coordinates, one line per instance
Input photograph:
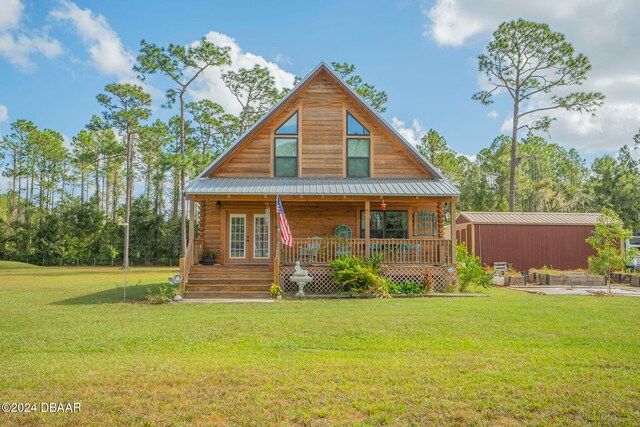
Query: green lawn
(510, 359)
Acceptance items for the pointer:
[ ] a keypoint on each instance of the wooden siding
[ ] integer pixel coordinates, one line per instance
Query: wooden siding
(306, 218)
(561, 247)
(322, 107)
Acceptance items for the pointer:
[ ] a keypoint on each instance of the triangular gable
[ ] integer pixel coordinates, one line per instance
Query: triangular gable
(412, 151)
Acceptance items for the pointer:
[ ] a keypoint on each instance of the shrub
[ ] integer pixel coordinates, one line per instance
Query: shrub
(406, 288)
(470, 271)
(275, 290)
(607, 239)
(162, 295)
(356, 274)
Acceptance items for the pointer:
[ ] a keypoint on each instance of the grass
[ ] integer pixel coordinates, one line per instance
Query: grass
(511, 359)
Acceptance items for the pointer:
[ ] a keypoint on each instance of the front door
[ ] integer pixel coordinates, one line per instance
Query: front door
(249, 239)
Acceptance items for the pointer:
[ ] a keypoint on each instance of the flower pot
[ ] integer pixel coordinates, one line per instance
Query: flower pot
(208, 261)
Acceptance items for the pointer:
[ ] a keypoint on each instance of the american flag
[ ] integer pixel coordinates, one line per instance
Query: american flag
(285, 232)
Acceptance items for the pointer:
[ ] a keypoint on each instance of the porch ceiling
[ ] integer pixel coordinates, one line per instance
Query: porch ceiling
(322, 186)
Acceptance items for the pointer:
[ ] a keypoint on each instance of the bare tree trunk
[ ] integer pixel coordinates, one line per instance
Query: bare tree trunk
(12, 202)
(182, 178)
(514, 159)
(127, 206)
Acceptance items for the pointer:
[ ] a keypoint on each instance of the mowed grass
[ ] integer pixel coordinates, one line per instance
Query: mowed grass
(510, 359)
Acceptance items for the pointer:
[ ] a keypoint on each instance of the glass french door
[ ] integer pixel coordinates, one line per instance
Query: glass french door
(260, 236)
(237, 236)
(249, 237)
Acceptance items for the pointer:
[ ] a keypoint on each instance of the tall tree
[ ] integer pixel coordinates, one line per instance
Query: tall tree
(213, 128)
(126, 105)
(375, 98)
(183, 65)
(530, 62)
(256, 92)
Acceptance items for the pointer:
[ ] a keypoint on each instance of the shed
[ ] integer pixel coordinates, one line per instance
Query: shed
(528, 239)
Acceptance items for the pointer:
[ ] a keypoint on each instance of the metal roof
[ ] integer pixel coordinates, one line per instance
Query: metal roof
(323, 186)
(322, 66)
(532, 218)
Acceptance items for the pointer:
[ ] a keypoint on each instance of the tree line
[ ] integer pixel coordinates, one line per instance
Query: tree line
(123, 174)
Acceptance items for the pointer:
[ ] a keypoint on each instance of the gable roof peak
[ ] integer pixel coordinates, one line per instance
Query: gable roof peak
(323, 66)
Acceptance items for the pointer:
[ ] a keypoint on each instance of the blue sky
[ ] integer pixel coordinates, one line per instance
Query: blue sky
(56, 56)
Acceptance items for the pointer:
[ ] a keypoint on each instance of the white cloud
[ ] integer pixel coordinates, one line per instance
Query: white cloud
(11, 14)
(282, 59)
(108, 55)
(604, 30)
(492, 114)
(4, 113)
(210, 84)
(18, 44)
(411, 133)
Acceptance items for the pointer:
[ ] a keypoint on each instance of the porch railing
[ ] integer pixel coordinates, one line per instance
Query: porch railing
(394, 251)
(193, 255)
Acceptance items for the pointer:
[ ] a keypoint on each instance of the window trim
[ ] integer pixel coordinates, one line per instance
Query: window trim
(276, 157)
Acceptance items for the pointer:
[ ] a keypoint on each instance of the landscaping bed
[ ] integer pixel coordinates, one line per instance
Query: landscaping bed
(632, 279)
(564, 278)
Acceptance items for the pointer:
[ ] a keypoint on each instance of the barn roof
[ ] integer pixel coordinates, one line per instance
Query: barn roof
(530, 218)
(323, 186)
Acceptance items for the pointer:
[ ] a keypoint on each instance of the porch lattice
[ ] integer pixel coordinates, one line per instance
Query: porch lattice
(439, 278)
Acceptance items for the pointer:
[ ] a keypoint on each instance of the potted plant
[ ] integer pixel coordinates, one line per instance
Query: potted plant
(276, 291)
(209, 257)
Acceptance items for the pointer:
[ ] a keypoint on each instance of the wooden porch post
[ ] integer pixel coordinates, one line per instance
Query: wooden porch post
(192, 228)
(367, 227)
(452, 228)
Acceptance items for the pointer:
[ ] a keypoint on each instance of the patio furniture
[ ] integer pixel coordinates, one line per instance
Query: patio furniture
(309, 252)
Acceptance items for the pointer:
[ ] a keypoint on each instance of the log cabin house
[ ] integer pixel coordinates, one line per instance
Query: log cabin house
(349, 184)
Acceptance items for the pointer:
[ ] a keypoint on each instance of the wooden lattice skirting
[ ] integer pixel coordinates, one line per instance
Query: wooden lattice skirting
(438, 278)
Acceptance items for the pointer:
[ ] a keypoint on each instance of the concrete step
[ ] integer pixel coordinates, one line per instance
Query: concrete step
(227, 294)
(228, 287)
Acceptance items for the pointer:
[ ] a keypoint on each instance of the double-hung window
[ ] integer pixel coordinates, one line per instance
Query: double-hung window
(358, 148)
(286, 148)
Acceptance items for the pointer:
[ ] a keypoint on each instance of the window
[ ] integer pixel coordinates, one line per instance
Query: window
(286, 161)
(358, 149)
(286, 148)
(357, 157)
(386, 224)
(354, 127)
(425, 224)
(290, 127)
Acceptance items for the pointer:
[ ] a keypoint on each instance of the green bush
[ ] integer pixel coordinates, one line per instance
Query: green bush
(470, 271)
(607, 239)
(359, 275)
(406, 288)
(162, 295)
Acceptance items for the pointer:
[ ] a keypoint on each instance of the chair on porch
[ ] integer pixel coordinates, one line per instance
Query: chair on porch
(343, 231)
(309, 252)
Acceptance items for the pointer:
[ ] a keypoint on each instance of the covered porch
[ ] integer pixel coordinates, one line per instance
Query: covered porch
(406, 230)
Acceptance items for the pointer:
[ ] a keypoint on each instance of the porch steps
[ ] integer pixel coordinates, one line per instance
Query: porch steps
(219, 282)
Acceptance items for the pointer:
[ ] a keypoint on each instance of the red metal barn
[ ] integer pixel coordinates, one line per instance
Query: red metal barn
(528, 239)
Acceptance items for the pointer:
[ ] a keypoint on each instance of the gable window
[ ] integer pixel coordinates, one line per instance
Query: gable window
(286, 148)
(358, 149)
(386, 224)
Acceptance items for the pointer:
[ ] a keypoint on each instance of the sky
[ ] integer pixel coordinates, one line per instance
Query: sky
(57, 55)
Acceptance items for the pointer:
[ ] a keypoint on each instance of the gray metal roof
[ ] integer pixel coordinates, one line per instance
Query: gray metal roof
(533, 218)
(323, 186)
(322, 66)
